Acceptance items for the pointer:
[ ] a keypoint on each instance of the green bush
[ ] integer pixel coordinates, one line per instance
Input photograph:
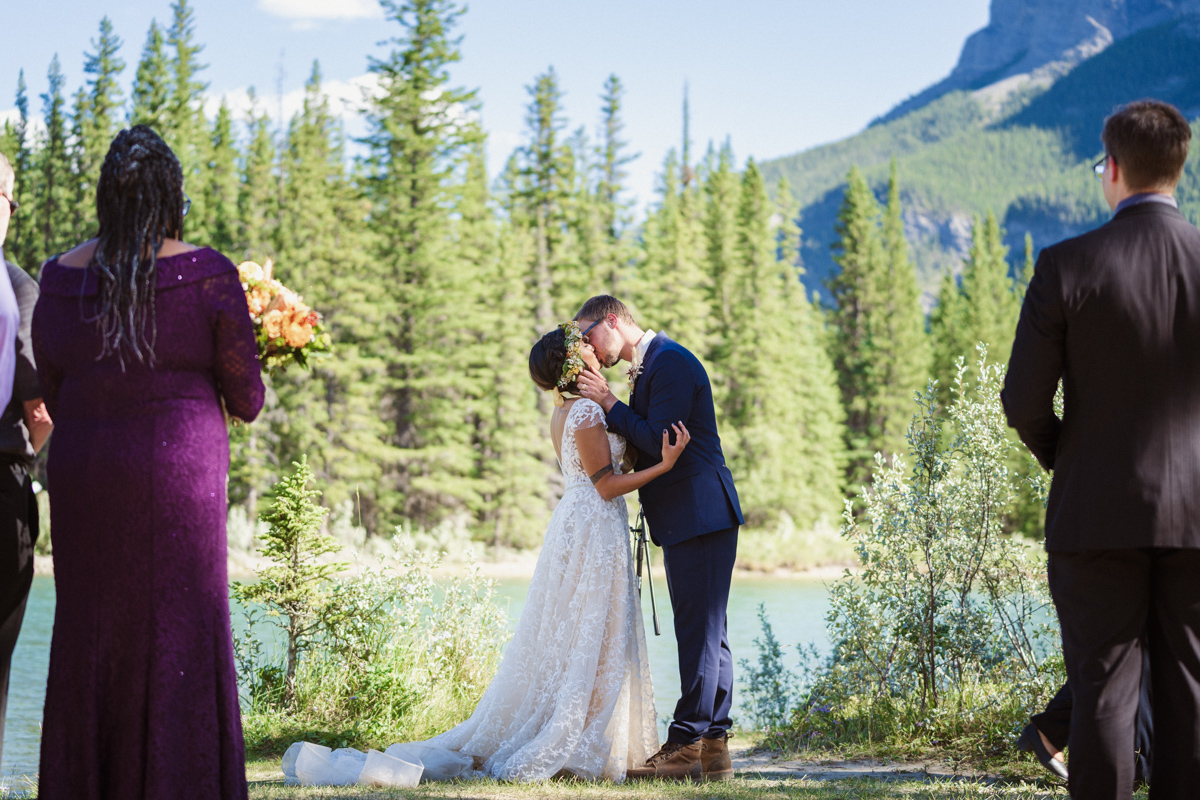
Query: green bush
(946, 637)
(384, 655)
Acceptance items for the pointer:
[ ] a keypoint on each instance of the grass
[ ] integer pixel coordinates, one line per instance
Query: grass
(266, 784)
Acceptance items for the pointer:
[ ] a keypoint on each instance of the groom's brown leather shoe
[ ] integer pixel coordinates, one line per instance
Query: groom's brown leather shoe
(673, 762)
(715, 763)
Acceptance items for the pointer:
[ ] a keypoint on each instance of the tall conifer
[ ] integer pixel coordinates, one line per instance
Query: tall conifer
(20, 246)
(152, 84)
(53, 190)
(96, 122)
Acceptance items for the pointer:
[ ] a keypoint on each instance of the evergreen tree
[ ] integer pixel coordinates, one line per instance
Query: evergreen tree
(95, 123)
(542, 185)
(1026, 270)
(418, 143)
(217, 216)
(53, 191)
(983, 308)
(186, 130)
(857, 320)
(258, 198)
(614, 208)
(20, 246)
(720, 227)
(152, 84)
(903, 359)
(780, 401)
(672, 288)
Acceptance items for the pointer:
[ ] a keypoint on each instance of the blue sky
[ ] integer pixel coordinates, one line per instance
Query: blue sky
(776, 76)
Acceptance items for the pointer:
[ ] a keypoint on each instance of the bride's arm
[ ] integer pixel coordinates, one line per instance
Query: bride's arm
(597, 461)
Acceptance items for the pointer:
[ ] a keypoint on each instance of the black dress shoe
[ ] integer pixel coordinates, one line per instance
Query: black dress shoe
(1031, 742)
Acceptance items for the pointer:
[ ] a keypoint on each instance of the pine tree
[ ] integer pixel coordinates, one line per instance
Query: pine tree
(858, 325)
(992, 304)
(780, 404)
(720, 227)
(152, 84)
(20, 246)
(258, 198)
(903, 359)
(672, 287)
(983, 308)
(95, 123)
(418, 143)
(1026, 270)
(541, 191)
(614, 207)
(53, 191)
(217, 216)
(186, 130)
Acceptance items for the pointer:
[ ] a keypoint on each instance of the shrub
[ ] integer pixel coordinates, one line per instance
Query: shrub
(944, 633)
(386, 655)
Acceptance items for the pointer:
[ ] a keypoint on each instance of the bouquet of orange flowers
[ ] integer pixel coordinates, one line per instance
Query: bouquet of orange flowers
(288, 331)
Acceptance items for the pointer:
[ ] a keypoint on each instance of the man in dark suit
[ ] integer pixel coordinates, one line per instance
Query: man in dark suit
(1115, 314)
(694, 515)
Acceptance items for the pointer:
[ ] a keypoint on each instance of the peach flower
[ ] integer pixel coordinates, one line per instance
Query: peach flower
(296, 330)
(273, 323)
(250, 271)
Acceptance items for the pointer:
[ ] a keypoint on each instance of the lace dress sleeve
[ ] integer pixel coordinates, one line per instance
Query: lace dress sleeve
(239, 375)
(586, 414)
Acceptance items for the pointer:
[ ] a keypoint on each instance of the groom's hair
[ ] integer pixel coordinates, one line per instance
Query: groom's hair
(1149, 140)
(601, 306)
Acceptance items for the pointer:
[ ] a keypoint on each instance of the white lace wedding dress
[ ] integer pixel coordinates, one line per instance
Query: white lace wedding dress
(573, 689)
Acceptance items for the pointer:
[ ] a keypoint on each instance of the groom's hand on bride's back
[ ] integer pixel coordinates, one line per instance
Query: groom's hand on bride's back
(593, 386)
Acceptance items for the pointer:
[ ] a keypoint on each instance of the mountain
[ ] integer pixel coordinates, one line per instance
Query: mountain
(1014, 128)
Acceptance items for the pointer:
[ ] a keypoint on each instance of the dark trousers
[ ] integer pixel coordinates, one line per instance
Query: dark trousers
(18, 532)
(1055, 721)
(699, 571)
(1116, 607)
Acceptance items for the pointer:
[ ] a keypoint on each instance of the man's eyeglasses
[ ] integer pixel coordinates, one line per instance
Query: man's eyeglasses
(187, 204)
(1100, 166)
(13, 205)
(589, 328)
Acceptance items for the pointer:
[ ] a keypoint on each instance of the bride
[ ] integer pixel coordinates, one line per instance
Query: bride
(572, 694)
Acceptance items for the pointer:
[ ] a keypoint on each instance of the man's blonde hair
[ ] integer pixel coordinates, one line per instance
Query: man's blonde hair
(7, 177)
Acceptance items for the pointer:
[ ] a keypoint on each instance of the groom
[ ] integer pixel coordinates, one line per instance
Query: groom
(694, 516)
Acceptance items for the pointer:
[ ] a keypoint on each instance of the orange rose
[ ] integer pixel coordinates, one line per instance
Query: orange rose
(258, 299)
(273, 324)
(297, 331)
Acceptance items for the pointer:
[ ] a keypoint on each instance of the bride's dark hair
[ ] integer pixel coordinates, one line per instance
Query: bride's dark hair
(546, 361)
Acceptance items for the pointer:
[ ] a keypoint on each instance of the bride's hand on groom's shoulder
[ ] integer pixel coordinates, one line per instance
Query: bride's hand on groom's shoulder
(593, 386)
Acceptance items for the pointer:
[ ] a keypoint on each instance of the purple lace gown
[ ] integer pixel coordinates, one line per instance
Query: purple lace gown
(141, 701)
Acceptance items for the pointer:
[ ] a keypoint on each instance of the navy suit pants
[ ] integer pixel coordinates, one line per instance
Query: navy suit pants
(699, 571)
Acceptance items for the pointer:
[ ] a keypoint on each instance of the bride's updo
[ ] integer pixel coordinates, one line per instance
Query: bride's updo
(546, 361)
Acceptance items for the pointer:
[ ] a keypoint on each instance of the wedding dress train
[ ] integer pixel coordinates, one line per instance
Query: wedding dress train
(573, 689)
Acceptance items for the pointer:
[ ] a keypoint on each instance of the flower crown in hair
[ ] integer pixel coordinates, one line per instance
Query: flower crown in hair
(573, 364)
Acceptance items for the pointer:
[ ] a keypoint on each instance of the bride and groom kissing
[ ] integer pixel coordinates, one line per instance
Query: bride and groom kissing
(573, 694)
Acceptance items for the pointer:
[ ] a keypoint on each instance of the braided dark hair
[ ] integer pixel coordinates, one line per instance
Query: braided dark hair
(546, 361)
(139, 202)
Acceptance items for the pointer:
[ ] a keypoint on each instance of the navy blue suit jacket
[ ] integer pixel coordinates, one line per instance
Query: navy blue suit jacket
(697, 496)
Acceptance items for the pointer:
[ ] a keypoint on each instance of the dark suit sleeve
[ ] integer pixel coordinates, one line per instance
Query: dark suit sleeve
(1037, 363)
(671, 398)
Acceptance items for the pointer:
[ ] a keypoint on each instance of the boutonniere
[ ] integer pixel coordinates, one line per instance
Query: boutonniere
(632, 373)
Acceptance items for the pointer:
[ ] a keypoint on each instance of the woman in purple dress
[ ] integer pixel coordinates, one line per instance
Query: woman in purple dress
(138, 337)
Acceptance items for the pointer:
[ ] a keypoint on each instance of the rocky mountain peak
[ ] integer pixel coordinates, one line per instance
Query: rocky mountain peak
(1037, 41)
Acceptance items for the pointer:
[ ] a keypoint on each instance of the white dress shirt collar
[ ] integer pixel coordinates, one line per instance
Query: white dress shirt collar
(639, 352)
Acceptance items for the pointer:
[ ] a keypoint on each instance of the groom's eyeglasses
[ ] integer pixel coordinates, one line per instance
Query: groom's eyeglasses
(589, 329)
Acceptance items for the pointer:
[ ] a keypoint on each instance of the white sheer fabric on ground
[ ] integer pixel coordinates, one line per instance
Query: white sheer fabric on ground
(573, 690)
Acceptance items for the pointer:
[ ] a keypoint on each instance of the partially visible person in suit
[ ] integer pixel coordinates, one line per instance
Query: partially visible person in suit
(1115, 314)
(24, 426)
(1047, 733)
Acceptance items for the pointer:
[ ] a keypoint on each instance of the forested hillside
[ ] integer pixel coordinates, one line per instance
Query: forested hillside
(1021, 153)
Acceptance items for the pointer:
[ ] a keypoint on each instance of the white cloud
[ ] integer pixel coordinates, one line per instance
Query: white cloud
(308, 10)
(346, 99)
